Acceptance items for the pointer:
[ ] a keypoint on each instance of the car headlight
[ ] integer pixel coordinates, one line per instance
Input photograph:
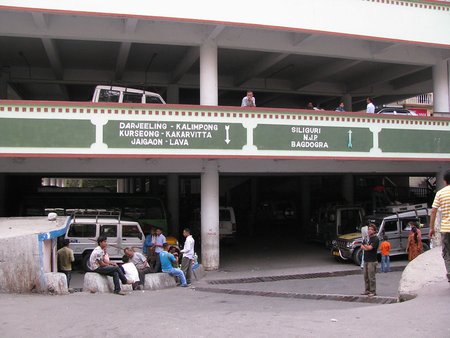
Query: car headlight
(333, 242)
(349, 244)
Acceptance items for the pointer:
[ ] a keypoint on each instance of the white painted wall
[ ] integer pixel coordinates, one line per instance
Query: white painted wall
(349, 17)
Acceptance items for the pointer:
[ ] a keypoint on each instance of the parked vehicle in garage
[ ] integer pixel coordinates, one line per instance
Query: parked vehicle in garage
(277, 212)
(125, 95)
(393, 222)
(227, 224)
(396, 111)
(334, 220)
(87, 225)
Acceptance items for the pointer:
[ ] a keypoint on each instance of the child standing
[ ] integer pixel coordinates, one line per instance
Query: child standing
(385, 248)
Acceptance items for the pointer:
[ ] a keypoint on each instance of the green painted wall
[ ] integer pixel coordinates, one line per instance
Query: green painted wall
(414, 141)
(179, 135)
(56, 133)
(312, 138)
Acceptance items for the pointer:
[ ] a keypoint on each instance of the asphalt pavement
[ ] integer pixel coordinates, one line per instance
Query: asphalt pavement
(256, 311)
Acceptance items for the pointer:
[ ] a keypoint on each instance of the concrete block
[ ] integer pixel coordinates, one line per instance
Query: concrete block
(199, 272)
(56, 283)
(95, 282)
(157, 281)
(425, 269)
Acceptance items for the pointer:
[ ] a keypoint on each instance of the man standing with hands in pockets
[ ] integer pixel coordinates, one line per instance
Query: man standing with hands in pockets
(188, 255)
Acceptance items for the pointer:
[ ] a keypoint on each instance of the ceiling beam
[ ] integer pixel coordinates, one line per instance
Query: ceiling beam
(129, 27)
(419, 76)
(213, 34)
(385, 74)
(322, 72)
(191, 56)
(40, 20)
(262, 65)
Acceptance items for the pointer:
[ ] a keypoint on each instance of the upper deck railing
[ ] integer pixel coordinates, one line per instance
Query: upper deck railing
(71, 129)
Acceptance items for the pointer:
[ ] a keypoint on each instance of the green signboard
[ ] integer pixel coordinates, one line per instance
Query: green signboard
(414, 141)
(38, 133)
(177, 135)
(312, 138)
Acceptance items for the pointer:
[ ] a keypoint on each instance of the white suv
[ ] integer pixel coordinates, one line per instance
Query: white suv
(86, 226)
(125, 95)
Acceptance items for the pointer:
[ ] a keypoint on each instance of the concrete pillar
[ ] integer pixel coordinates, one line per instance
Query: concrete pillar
(440, 183)
(52, 182)
(173, 203)
(131, 185)
(347, 188)
(3, 87)
(120, 185)
(2, 196)
(306, 200)
(208, 74)
(347, 99)
(45, 182)
(59, 182)
(210, 215)
(173, 94)
(254, 191)
(441, 92)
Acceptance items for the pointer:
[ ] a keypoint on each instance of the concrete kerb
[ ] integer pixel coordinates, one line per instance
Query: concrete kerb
(426, 269)
(56, 283)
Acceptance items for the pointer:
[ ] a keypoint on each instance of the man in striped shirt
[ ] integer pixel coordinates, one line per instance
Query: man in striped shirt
(442, 200)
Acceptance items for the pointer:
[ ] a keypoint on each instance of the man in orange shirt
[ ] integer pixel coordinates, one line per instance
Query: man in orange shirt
(385, 248)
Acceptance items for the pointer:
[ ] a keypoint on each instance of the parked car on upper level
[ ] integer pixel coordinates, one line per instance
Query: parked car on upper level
(396, 111)
(125, 95)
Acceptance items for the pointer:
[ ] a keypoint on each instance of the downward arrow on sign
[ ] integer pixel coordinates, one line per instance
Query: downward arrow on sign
(227, 134)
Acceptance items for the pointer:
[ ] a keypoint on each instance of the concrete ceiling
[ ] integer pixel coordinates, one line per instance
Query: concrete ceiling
(54, 56)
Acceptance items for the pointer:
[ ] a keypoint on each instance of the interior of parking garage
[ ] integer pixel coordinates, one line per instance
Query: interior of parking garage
(267, 208)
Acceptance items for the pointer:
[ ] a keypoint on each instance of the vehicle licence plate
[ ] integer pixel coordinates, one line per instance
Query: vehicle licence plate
(336, 253)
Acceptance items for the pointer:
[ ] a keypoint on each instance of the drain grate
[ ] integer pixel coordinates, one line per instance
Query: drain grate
(291, 277)
(293, 295)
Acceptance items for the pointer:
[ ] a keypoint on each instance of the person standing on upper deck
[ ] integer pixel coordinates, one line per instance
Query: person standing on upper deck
(249, 100)
(370, 106)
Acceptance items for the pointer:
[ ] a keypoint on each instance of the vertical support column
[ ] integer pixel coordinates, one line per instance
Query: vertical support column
(440, 179)
(306, 199)
(210, 215)
(441, 92)
(208, 74)
(347, 188)
(3, 87)
(120, 185)
(173, 203)
(173, 94)
(254, 191)
(2, 195)
(131, 187)
(347, 99)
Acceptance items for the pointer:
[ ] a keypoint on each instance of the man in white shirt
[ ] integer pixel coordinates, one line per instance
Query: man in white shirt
(370, 107)
(188, 255)
(99, 262)
(249, 100)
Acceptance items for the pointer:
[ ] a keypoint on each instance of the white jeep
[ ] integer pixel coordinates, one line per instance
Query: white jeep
(125, 95)
(87, 225)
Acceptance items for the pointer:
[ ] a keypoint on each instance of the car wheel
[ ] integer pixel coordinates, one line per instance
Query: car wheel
(85, 262)
(357, 256)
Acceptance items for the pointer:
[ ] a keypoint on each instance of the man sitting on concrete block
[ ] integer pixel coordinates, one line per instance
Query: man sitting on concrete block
(99, 263)
(166, 264)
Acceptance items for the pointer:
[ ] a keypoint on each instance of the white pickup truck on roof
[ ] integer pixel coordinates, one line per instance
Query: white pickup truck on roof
(125, 95)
